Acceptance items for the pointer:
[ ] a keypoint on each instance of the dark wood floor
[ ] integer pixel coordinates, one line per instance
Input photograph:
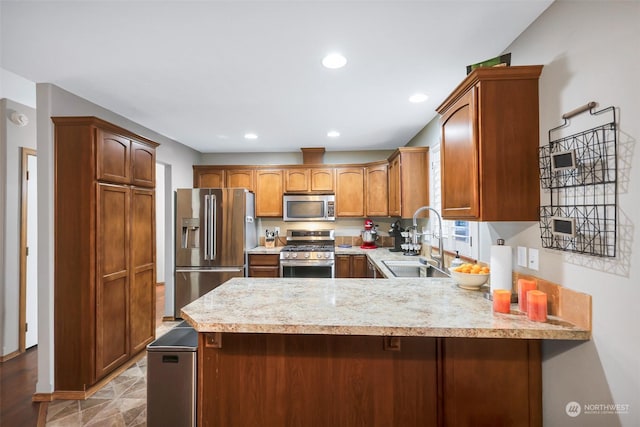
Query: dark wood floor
(18, 378)
(18, 383)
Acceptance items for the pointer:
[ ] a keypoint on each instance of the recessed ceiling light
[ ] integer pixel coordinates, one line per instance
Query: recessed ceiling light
(334, 60)
(250, 136)
(418, 97)
(333, 134)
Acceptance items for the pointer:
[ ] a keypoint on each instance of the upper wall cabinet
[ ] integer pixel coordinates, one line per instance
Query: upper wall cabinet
(122, 160)
(376, 201)
(349, 192)
(208, 177)
(304, 180)
(489, 146)
(269, 193)
(408, 181)
(243, 178)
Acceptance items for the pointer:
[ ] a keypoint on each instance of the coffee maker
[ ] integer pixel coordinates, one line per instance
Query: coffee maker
(369, 235)
(396, 231)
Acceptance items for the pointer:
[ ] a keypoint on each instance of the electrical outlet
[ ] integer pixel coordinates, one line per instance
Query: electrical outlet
(522, 256)
(277, 230)
(533, 259)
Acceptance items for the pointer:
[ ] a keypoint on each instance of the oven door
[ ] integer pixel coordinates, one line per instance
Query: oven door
(307, 269)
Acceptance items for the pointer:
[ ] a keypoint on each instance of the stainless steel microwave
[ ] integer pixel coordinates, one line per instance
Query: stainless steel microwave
(309, 207)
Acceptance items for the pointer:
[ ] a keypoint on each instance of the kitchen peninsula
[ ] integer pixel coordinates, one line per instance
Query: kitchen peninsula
(342, 352)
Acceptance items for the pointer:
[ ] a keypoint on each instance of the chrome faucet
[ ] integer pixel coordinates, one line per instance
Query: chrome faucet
(440, 258)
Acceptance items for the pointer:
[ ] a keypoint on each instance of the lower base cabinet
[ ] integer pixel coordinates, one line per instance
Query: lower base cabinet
(264, 265)
(332, 380)
(351, 266)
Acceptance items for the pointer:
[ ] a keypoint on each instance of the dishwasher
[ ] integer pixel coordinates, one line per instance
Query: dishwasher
(171, 378)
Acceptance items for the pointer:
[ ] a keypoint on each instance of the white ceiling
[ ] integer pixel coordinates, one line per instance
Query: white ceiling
(206, 72)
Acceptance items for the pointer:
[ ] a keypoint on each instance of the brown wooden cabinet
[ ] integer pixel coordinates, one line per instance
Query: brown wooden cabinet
(305, 180)
(408, 180)
(350, 192)
(351, 266)
(208, 177)
(489, 147)
(269, 185)
(242, 178)
(333, 380)
(505, 372)
(264, 265)
(376, 199)
(104, 290)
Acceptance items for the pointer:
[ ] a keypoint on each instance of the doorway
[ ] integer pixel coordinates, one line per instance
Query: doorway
(28, 317)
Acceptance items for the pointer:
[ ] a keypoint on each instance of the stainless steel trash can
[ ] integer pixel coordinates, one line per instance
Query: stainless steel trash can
(171, 379)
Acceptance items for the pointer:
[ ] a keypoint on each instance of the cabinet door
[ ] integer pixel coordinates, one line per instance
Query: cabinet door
(241, 178)
(142, 289)
(343, 266)
(269, 193)
(377, 195)
(208, 178)
(112, 287)
(394, 187)
(322, 180)
(350, 192)
(459, 159)
(505, 372)
(143, 160)
(264, 265)
(358, 266)
(113, 158)
(296, 180)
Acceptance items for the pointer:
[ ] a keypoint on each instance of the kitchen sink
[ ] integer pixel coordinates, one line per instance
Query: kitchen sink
(413, 268)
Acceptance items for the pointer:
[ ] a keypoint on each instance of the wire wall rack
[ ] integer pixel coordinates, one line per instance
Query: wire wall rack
(580, 172)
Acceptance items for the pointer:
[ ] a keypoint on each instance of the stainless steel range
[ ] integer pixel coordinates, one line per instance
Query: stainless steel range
(308, 253)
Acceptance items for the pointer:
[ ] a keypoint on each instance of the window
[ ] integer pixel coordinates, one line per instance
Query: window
(461, 236)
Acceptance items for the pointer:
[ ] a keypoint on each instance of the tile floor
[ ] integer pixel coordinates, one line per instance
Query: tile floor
(121, 403)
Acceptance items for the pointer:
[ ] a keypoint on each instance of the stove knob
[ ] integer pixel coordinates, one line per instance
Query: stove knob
(286, 255)
(326, 255)
(307, 255)
(294, 255)
(319, 255)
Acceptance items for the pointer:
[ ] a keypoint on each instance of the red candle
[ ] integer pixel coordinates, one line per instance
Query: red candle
(501, 301)
(524, 286)
(537, 306)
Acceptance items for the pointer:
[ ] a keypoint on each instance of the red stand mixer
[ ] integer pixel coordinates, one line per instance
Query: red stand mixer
(369, 235)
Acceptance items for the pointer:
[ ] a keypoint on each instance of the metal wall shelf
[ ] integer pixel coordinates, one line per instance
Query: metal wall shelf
(580, 173)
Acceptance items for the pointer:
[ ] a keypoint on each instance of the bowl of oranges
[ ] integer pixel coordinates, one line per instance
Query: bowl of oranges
(470, 276)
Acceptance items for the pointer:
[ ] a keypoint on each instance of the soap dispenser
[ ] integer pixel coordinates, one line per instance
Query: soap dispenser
(456, 262)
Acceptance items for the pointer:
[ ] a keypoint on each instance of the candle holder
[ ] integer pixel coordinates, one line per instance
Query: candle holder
(501, 301)
(524, 286)
(537, 306)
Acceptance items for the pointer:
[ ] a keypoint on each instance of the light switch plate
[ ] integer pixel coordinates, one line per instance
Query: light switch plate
(533, 259)
(522, 256)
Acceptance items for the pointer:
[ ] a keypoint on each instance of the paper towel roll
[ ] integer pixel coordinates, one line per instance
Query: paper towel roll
(500, 267)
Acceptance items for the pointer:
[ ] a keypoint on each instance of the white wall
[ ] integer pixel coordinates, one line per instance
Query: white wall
(590, 53)
(12, 138)
(17, 88)
(177, 158)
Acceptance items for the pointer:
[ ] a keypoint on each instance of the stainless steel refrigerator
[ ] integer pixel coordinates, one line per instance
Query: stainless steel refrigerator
(214, 229)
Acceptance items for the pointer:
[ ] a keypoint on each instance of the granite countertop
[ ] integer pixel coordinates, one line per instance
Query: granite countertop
(381, 307)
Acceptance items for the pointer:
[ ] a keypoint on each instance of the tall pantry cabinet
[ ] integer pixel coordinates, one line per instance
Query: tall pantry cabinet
(104, 251)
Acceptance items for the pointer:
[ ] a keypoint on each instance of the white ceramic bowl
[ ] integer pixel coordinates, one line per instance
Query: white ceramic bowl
(468, 280)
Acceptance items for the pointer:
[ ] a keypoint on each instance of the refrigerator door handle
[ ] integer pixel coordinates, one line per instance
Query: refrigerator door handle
(212, 232)
(206, 227)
